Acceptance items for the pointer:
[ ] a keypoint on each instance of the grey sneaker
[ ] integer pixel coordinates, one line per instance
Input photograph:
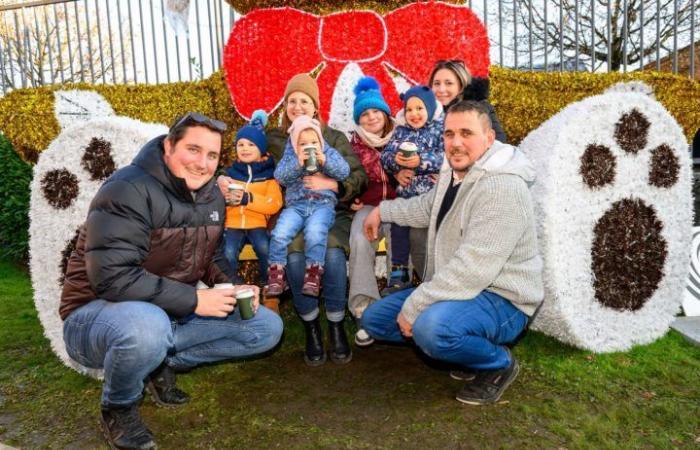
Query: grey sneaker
(362, 338)
(488, 386)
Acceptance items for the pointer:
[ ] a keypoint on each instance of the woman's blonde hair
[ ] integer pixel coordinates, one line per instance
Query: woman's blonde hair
(457, 67)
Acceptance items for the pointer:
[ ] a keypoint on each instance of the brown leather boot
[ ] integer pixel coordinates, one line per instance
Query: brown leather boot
(270, 302)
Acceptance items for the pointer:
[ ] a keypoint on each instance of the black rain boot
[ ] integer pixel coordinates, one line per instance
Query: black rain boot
(314, 354)
(340, 348)
(161, 385)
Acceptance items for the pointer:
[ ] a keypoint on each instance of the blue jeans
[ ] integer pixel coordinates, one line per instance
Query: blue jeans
(130, 339)
(334, 280)
(466, 332)
(235, 239)
(315, 219)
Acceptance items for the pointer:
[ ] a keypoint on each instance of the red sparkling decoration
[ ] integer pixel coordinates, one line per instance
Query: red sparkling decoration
(269, 46)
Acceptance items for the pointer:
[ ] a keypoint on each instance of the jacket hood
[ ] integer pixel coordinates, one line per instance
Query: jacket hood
(477, 90)
(150, 159)
(503, 158)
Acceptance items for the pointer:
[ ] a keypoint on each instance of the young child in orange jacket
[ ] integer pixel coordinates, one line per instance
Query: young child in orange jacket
(257, 198)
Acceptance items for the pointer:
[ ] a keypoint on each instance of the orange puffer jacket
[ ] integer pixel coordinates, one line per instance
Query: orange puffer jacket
(263, 198)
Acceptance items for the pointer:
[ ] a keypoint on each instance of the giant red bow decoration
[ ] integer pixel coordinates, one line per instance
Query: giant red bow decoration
(269, 46)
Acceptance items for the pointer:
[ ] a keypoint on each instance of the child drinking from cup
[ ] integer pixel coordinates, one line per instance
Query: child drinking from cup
(413, 155)
(252, 195)
(310, 210)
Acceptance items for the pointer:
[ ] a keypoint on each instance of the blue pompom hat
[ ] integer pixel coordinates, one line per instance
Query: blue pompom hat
(425, 94)
(255, 131)
(368, 95)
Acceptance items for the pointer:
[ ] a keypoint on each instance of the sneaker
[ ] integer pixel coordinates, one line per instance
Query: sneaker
(312, 280)
(488, 386)
(399, 280)
(275, 280)
(362, 338)
(463, 375)
(124, 429)
(161, 385)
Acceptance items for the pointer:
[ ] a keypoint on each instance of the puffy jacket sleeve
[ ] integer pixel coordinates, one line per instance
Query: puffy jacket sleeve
(335, 166)
(388, 156)
(270, 202)
(357, 181)
(431, 158)
(219, 269)
(117, 243)
(288, 169)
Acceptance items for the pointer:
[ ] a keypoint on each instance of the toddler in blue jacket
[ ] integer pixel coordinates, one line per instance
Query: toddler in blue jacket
(310, 210)
(420, 137)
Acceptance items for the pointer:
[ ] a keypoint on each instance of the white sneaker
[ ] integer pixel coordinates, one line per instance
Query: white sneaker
(363, 339)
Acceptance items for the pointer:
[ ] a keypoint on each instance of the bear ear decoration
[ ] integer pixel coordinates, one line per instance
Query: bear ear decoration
(259, 118)
(366, 84)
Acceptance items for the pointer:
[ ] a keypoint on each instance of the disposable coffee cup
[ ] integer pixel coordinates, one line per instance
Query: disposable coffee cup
(310, 165)
(233, 187)
(408, 149)
(244, 300)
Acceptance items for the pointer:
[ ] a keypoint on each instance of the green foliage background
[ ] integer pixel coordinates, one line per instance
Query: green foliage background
(15, 177)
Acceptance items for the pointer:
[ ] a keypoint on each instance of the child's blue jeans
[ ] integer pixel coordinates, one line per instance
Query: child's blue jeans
(315, 218)
(235, 239)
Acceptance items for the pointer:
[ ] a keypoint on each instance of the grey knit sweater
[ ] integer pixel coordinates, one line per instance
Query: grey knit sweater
(487, 240)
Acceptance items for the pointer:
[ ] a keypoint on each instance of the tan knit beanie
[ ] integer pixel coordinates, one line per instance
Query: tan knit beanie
(303, 83)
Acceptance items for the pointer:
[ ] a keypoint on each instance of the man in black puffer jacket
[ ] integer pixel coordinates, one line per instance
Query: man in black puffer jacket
(129, 300)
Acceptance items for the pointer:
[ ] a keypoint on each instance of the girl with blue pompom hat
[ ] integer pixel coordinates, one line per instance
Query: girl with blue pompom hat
(374, 128)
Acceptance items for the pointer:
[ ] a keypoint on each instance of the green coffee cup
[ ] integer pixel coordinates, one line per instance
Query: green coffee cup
(408, 149)
(244, 300)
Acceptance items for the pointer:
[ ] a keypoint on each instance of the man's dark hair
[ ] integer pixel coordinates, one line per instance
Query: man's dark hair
(471, 105)
(192, 119)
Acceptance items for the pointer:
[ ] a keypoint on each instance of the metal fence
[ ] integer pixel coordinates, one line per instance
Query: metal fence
(128, 41)
(109, 41)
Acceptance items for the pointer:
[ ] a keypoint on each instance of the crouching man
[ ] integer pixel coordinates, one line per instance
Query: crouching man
(129, 301)
(483, 275)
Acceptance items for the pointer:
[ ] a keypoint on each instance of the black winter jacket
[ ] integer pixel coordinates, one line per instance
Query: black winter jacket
(147, 237)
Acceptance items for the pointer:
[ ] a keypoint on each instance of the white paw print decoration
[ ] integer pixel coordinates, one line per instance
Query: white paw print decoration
(614, 209)
(93, 143)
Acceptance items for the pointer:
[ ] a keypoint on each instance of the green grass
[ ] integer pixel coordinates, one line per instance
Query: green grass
(387, 397)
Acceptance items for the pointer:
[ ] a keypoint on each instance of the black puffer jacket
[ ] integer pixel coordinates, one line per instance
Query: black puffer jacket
(148, 238)
(478, 90)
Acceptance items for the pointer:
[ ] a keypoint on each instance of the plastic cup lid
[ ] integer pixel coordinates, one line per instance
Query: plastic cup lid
(244, 293)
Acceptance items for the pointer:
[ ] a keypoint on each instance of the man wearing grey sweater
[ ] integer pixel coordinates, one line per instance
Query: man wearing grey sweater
(483, 271)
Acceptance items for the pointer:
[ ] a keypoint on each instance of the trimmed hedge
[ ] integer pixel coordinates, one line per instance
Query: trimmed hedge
(16, 175)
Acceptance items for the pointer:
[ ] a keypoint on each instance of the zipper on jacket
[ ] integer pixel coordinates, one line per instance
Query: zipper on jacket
(182, 247)
(247, 183)
(194, 249)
